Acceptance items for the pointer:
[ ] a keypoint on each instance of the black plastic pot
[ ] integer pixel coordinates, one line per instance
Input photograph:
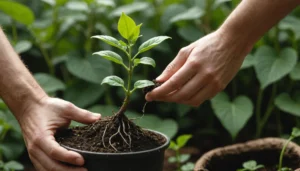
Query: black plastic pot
(148, 160)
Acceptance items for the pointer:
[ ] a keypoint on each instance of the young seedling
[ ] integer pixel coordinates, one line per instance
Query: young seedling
(130, 32)
(295, 134)
(251, 166)
(180, 159)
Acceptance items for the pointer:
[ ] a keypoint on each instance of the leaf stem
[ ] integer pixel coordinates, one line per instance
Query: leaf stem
(282, 152)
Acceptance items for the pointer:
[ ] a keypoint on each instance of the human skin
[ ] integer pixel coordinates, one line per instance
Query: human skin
(38, 114)
(205, 67)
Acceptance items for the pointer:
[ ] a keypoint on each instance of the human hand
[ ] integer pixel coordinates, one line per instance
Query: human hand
(39, 123)
(200, 70)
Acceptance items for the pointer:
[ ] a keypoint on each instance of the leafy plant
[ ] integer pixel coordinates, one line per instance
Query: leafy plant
(295, 134)
(11, 166)
(251, 166)
(181, 159)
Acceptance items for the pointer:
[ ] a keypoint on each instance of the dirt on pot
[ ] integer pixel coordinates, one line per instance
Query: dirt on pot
(113, 134)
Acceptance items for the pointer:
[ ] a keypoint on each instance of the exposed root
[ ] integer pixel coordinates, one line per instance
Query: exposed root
(111, 139)
(103, 136)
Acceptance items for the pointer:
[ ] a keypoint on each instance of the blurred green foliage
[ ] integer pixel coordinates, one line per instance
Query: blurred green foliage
(53, 37)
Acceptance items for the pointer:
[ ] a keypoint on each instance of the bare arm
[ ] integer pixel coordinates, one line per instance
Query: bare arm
(205, 67)
(38, 114)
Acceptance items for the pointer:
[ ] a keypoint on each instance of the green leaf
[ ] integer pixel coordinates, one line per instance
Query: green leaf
(190, 33)
(111, 41)
(285, 103)
(188, 166)
(250, 165)
(172, 159)
(49, 83)
(17, 11)
(13, 165)
(169, 13)
(143, 84)
(291, 23)
(89, 69)
(248, 62)
(109, 55)
(295, 74)
(151, 43)
(191, 14)
(296, 132)
(126, 26)
(89, 93)
(173, 146)
(113, 81)
(233, 115)
(270, 67)
(22, 46)
(77, 6)
(136, 33)
(145, 61)
(130, 8)
(182, 140)
(184, 157)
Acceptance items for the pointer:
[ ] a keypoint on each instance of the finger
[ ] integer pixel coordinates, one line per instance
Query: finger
(81, 115)
(188, 90)
(50, 164)
(174, 83)
(37, 165)
(204, 94)
(175, 65)
(50, 147)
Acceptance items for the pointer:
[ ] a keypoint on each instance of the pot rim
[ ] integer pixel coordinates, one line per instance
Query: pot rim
(164, 146)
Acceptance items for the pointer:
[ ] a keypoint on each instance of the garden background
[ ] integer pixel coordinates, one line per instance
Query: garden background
(53, 39)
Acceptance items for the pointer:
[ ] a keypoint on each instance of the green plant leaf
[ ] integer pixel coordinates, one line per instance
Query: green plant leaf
(182, 140)
(291, 23)
(270, 67)
(233, 115)
(22, 46)
(89, 69)
(151, 43)
(111, 41)
(13, 165)
(49, 83)
(109, 55)
(145, 61)
(188, 166)
(143, 84)
(248, 62)
(130, 8)
(77, 6)
(184, 157)
(191, 14)
(136, 33)
(169, 13)
(17, 11)
(89, 93)
(295, 74)
(296, 132)
(126, 26)
(190, 33)
(113, 81)
(250, 165)
(285, 103)
(172, 159)
(173, 146)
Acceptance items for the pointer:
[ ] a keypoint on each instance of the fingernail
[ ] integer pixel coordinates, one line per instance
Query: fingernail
(149, 99)
(158, 78)
(79, 161)
(97, 115)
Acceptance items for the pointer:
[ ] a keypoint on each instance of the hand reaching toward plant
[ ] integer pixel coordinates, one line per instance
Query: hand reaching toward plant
(39, 115)
(205, 67)
(199, 71)
(39, 123)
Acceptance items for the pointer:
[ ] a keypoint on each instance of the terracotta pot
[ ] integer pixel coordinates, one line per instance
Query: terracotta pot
(264, 151)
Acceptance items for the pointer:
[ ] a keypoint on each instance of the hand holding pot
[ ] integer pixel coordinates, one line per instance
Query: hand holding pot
(199, 71)
(39, 123)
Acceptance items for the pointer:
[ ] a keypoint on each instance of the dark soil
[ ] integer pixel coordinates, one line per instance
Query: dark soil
(113, 134)
(150, 88)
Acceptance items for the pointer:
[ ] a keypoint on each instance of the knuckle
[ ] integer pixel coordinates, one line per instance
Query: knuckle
(194, 63)
(182, 51)
(174, 84)
(68, 107)
(52, 152)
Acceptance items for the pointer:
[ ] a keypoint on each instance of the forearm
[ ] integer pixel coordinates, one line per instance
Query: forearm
(252, 18)
(18, 88)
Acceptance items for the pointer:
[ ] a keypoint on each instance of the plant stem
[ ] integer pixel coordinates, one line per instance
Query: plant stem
(128, 92)
(14, 32)
(178, 160)
(47, 59)
(258, 108)
(282, 152)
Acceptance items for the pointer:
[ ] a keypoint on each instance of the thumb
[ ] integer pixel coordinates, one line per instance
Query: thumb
(82, 115)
